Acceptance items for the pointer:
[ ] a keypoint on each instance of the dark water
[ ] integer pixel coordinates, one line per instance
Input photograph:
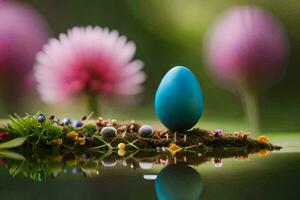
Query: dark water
(275, 176)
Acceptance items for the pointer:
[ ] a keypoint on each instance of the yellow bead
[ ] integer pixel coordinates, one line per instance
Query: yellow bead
(263, 152)
(263, 138)
(173, 149)
(80, 141)
(114, 122)
(121, 152)
(72, 135)
(121, 146)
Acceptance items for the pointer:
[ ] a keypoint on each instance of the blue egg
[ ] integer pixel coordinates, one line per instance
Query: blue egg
(179, 101)
(177, 182)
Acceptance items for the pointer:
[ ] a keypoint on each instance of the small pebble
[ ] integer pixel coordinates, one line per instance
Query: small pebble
(109, 162)
(67, 121)
(145, 165)
(41, 118)
(76, 170)
(114, 122)
(145, 130)
(218, 132)
(108, 132)
(56, 120)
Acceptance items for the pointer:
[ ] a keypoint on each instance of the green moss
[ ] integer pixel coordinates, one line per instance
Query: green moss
(49, 135)
(89, 129)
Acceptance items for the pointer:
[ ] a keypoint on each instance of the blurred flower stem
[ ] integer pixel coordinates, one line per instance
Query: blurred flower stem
(249, 99)
(93, 103)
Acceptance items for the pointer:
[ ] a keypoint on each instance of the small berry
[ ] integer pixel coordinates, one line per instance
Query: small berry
(121, 152)
(41, 118)
(145, 130)
(263, 139)
(2, 161)
(3, 135)
(67, 121)
(263, 152)
(121, 146)
(108, 132)
(56, 120)
(77, 124)
(80, 140)
(72, 135)
(218, 132)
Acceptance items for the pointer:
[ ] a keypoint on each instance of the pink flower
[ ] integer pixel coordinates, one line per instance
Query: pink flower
(246, 45)
(88, 59)
(22, 34)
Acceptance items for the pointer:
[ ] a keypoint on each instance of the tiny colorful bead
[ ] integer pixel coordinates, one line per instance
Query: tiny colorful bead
(80, 140)
(218, 163)
(121, 146)
(263, 139)
(3, 135)
(41, 118)
(77, 124)
(67, 121)
(108, 132)
(218, 132)
(145, 130)
(263, 152)
(72, 135)
(121, 152)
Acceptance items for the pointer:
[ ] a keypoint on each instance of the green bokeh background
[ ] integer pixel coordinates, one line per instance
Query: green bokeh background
(171, 32)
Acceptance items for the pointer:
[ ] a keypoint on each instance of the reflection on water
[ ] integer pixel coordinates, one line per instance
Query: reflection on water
(39, 166)
(149, 175)
(177, 182)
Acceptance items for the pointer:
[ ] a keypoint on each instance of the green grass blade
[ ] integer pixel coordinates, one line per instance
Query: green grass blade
(13, 143)
(11, 155)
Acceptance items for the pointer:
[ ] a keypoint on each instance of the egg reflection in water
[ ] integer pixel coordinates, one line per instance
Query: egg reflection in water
(178, 182)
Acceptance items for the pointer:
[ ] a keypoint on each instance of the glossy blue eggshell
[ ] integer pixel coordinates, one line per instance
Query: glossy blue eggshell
(178, 182)
(179, 101)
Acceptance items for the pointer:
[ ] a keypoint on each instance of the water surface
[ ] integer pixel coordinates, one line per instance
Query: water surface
(274, 176)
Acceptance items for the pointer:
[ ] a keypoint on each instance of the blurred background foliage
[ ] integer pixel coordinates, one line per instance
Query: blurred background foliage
(171, 32)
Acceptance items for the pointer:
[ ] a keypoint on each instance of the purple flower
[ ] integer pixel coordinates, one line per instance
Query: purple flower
(22, 34)
(246, 46)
